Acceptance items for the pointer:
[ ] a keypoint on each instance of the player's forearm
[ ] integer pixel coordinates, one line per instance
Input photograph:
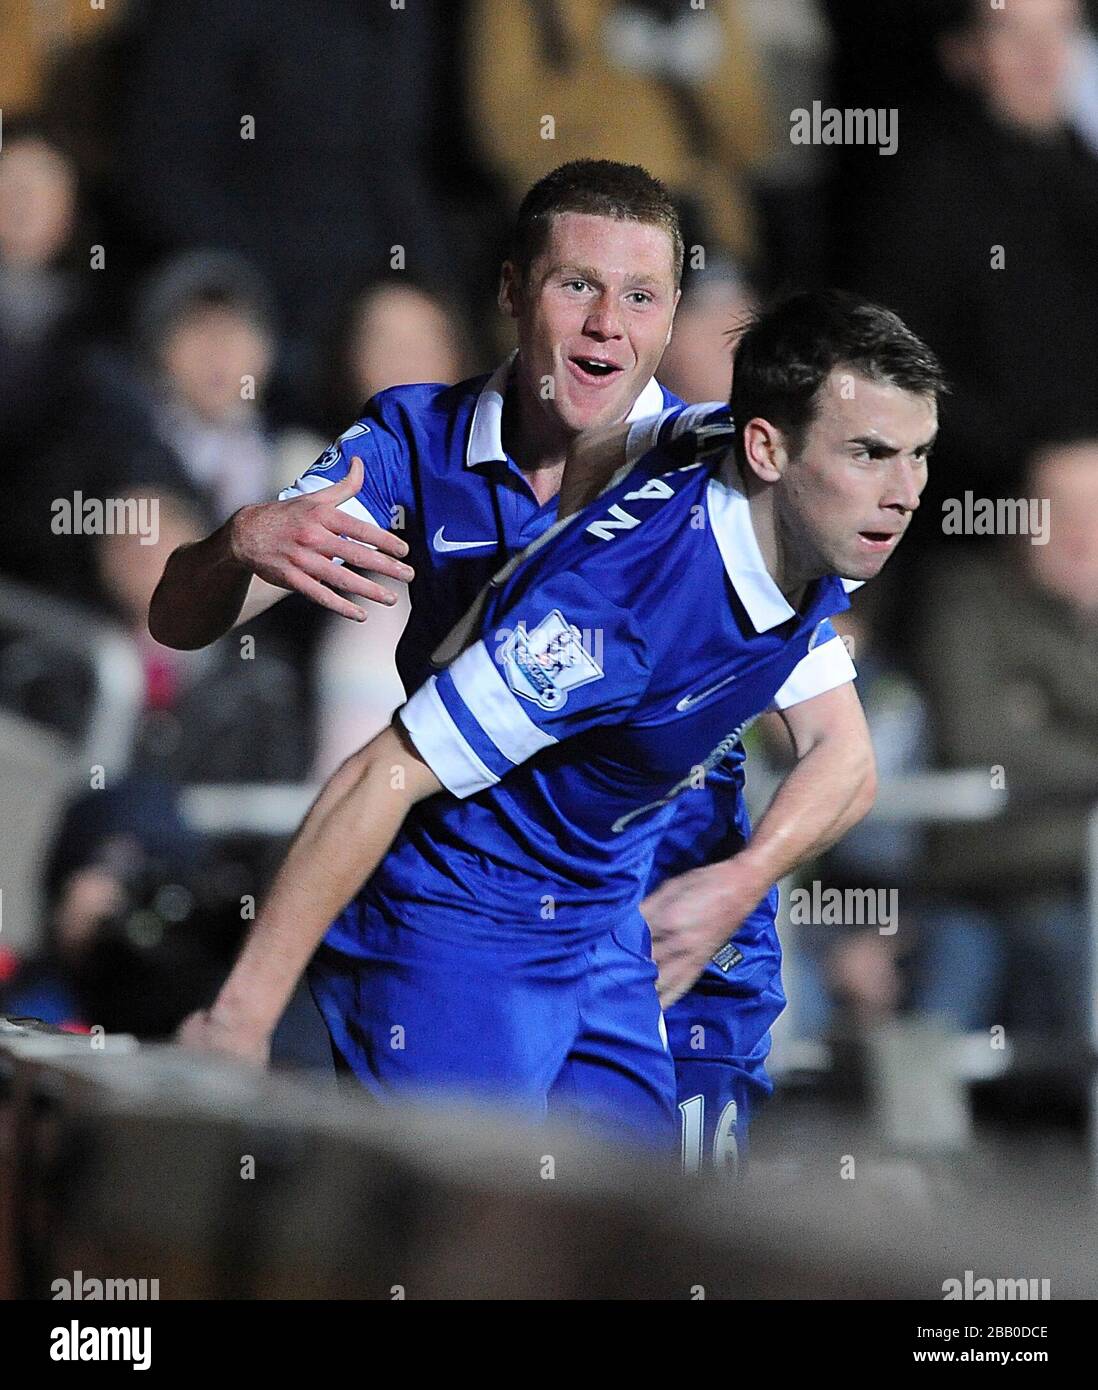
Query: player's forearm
(200, 593)
(344, 837)
(692, 915)
(827, 793)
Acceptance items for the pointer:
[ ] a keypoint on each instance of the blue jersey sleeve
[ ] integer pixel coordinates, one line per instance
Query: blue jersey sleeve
(560, 660)
(384, 497)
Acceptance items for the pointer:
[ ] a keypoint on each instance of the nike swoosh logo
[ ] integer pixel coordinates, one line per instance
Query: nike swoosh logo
(688, 700)
(443, 545)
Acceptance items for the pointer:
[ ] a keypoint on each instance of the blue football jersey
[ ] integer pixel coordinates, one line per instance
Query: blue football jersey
(604, 675)
(436, 472)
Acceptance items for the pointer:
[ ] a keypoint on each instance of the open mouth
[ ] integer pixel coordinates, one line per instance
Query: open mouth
(593, 368)
(878, 540)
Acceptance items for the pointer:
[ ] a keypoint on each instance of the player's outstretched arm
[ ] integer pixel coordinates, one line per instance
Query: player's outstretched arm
(829, 790)
(264, 552)
(342, 840)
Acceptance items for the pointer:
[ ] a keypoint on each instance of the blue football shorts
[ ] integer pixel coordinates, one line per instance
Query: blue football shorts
(578, 1038)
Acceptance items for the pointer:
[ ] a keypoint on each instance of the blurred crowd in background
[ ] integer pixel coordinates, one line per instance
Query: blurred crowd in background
(224, 227)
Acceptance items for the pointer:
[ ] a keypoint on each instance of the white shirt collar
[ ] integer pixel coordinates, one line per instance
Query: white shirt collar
(649, 402)
(486, 431)
(730, 517)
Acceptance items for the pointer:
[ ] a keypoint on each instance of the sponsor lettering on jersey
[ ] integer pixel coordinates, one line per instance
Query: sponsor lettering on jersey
(618, 519)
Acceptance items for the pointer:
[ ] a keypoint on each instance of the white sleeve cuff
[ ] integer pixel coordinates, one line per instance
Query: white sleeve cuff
(824, 668)
(490, 706)
(488, 698)
(439, 742)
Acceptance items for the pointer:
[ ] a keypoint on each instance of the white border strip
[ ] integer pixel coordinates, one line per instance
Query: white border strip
(441, 744)
(478, 681)
(825, 667)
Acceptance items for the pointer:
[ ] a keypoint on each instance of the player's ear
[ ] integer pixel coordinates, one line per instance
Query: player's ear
(510, 289)
(765, 450)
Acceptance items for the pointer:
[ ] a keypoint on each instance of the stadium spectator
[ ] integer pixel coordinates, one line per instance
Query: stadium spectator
(31, 37)
(394, 331)
(982, 231)
(72, 415)
(205, 334)
(715, 303)
(234, 712)
(124, 946)
(1011, 666)
(37, 219)
(648, 82)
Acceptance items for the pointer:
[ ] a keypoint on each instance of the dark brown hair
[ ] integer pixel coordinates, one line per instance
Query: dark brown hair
(788, 352)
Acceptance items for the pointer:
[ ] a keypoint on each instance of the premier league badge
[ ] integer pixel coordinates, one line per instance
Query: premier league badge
(548, 661)
(331, 453)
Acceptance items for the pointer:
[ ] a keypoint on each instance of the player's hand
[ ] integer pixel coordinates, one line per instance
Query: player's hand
(691, 916)
(207, 1031)
(292, 544)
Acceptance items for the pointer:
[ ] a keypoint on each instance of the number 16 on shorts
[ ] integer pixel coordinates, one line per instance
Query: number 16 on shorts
(696, 1140)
